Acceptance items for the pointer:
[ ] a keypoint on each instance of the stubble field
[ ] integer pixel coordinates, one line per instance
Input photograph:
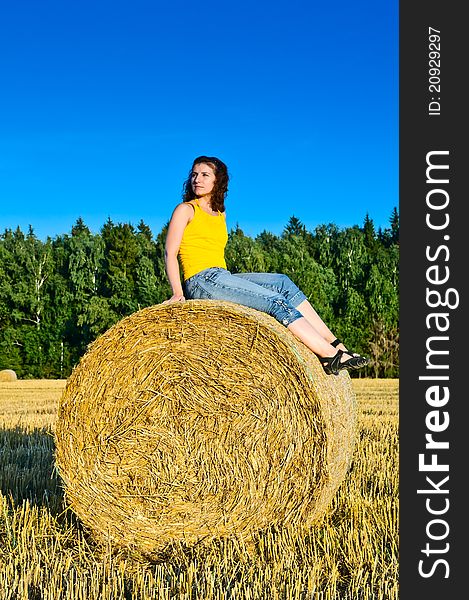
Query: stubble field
(45, 554)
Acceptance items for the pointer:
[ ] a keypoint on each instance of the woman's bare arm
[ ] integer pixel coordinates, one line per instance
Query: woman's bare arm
(181, 216)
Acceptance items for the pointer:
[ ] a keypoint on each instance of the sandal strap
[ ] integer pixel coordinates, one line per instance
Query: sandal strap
(332, 364)
(336, 342)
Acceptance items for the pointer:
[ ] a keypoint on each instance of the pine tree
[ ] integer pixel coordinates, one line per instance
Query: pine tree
(394, 221)
(294, 227)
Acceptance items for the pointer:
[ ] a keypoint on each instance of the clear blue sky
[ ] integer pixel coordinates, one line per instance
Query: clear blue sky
(104, 105)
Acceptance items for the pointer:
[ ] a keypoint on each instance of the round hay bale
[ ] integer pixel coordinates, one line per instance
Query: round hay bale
(8, 375)
(197, 420)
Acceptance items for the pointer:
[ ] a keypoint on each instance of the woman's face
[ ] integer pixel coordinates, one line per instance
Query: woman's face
(202, 179)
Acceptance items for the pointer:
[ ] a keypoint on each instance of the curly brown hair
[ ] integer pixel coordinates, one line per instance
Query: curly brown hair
(220, 189)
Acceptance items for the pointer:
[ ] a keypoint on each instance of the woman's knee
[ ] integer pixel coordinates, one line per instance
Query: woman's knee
(286, 281)
(286, 286)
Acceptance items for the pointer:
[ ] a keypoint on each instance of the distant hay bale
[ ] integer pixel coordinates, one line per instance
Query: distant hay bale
(8, 375)
(198, 420)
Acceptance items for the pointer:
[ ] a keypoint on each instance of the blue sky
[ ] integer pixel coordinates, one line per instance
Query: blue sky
(105, 104)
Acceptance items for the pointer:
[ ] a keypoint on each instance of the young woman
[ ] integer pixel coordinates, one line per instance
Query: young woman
(197, 234)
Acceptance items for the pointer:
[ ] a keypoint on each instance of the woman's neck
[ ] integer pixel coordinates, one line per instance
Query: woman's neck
(205, 203)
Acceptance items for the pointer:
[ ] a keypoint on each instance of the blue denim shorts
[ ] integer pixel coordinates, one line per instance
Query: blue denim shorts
(272, 293)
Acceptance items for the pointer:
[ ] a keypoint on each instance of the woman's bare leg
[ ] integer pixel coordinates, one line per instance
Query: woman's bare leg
(312, 316)
(305, 332)
(318, 324)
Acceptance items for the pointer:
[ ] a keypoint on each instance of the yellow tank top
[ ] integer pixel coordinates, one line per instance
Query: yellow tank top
(203, 242)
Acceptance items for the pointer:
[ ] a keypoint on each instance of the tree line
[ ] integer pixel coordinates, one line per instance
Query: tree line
(58, 295)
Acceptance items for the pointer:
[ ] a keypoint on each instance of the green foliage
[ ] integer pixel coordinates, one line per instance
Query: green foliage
(243, 254)
(57, 296)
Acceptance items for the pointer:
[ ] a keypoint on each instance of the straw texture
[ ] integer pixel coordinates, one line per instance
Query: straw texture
(8, 375)
(197, 420)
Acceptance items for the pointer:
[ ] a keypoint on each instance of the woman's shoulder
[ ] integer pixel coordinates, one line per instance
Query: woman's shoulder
(184, 211)
(185, 207)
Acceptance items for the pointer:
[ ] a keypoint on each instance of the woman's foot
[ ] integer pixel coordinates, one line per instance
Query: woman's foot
(361, 361)
(332, 365)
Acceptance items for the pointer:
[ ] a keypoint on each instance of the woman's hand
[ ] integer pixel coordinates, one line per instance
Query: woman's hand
(175, 298)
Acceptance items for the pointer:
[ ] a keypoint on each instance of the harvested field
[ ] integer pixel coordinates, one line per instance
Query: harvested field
(350, 554)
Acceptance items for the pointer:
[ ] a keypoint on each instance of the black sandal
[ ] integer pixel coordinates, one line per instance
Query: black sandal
(333, 364)
(355, 362)
(360, 361)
